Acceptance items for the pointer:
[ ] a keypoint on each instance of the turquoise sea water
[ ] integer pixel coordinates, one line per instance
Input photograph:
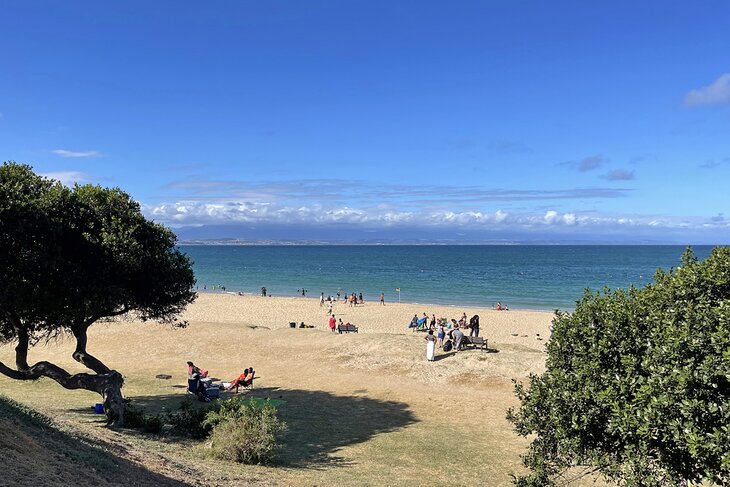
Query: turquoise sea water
(530, 276)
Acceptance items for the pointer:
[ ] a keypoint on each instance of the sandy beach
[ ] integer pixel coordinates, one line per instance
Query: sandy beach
(362, 409)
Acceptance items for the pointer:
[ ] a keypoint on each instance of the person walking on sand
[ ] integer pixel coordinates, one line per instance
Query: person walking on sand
(332, 323)
(321, 300)
(329, 308)
(430, 346)
(382, 299)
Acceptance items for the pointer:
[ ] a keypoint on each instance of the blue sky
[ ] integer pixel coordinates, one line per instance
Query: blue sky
(352, 120)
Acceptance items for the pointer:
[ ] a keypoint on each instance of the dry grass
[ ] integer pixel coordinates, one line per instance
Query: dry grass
(363, 409)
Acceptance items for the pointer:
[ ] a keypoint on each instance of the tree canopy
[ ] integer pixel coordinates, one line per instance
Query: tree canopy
(70, 257)
(637, 384)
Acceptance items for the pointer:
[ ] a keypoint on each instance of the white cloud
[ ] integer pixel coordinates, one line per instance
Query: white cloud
(550, 216)
(68, 178)
(717, 93)
(70, 153)
(197, 213)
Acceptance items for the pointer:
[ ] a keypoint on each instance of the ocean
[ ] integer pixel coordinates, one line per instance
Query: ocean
(519, 276)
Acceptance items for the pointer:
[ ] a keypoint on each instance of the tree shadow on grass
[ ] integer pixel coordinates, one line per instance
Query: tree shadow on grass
(35, 452)
(319, 423)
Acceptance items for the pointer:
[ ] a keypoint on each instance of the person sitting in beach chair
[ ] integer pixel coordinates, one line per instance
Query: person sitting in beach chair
(195, 384)
(193, 369)
(245, 380)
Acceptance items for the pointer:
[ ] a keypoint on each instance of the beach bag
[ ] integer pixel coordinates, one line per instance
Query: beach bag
(448, 346)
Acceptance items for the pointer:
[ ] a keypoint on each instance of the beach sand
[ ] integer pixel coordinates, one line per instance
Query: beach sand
(362, 409)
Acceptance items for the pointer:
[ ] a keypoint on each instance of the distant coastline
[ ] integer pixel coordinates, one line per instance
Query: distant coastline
(289, 243)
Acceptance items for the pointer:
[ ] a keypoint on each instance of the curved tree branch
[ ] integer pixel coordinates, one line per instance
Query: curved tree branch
(82, 356)
(109, 385)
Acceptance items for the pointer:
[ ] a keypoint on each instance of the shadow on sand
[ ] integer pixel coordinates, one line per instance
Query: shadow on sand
(319, 423)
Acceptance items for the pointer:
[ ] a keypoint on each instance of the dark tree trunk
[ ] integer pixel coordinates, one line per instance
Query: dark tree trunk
(21, 349)
(82, 356)
(109, 385)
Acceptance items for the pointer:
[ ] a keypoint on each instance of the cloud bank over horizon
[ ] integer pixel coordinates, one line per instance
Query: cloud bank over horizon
(344, 209)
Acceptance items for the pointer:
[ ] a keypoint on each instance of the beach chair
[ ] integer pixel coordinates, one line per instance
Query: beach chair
(479, 343)
(248, 386)
(194, 386)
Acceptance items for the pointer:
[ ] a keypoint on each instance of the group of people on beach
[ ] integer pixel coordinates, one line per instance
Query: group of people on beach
(200, 384)
(335, 323)
(352, 299)
(443, 328)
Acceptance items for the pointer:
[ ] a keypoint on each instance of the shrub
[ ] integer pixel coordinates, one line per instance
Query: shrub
(153, 424)
(189, 420)
(134, 418)
(244, 432)
(637, 384)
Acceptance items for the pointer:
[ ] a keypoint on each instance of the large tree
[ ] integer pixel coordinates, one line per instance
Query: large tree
(71, 257)
(637, 385)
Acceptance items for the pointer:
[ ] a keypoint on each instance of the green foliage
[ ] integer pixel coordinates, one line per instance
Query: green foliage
(637, 383)
(190, 420)
(135, 418)
(72, 256)
(243, 431)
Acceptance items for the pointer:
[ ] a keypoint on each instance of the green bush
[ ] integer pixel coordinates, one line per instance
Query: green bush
(135, 418)
(153, 424)
(637, 384)
(244, 432)
(189, 420)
